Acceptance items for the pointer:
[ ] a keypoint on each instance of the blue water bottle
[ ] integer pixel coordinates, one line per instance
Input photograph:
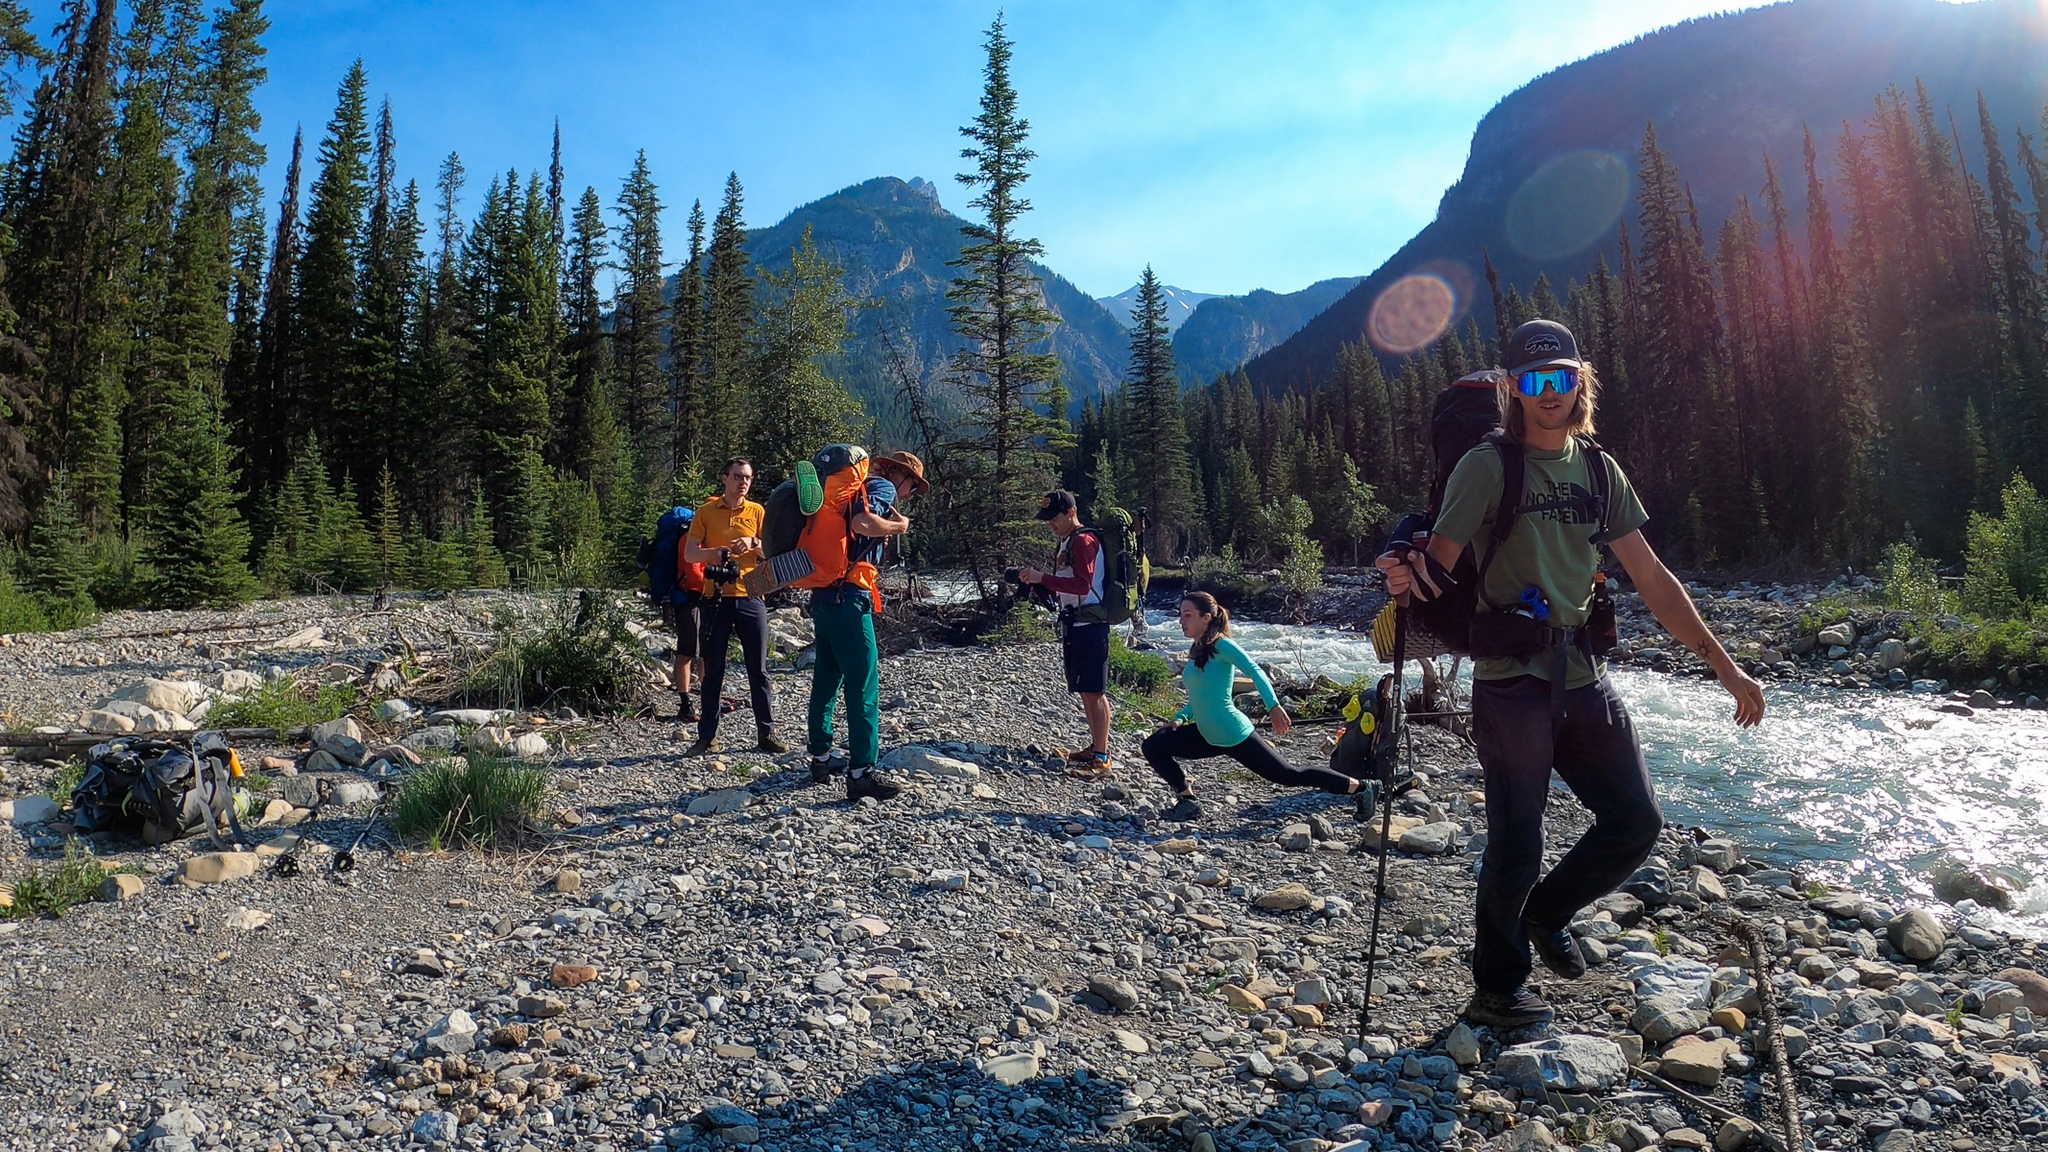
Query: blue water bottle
(1538, 606)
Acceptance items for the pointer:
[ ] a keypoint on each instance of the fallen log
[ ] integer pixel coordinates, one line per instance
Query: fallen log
(88, 739)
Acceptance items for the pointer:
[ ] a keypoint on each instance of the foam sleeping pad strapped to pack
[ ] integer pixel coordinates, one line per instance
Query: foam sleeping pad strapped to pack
(812, 549)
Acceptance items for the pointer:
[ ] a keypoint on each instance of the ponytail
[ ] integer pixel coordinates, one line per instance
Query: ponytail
(1219, 627)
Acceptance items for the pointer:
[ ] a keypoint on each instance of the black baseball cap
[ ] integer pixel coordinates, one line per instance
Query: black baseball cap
(1057, 501)
(1541, 344)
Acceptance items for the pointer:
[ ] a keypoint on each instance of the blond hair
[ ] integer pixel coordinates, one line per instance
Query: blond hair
(1585, 400)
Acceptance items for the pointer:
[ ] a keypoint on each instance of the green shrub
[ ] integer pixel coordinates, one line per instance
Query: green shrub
(2006, 567)
(1022, 625)
(20, 611)
(579, 652)
(470, 803)
(75, 880)
(285, 704)
(1143, 672)
(66, 781)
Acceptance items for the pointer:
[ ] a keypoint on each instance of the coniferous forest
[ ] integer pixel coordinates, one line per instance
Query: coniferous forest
(210, 390)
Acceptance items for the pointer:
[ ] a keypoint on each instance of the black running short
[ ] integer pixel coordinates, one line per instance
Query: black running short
(686, 627)
(1084, 649)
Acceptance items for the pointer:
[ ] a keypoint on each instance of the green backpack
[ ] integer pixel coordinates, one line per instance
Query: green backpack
(1122, 569)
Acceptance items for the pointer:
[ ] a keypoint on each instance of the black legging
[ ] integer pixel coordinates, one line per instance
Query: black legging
(1165, 749)
(748, 617)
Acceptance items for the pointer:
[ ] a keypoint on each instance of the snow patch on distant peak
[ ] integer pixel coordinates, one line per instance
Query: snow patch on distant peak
(1180, 304)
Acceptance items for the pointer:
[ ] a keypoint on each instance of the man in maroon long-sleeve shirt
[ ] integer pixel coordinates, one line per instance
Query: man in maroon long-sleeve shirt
(1076, 579)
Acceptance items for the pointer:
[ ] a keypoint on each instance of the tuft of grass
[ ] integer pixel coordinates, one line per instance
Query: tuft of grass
(1021, 626)
(579, 652)
(1662, 938)
(474, 803)
(66, 781)
(1142, 672)
(1955, 1016)
(73, 881)
(284, 704)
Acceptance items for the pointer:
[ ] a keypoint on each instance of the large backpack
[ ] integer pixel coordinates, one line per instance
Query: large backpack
(1448, 618)
(812, 547)
(1459, 419)
(163, 789)
(663, 558)
(1122, 575)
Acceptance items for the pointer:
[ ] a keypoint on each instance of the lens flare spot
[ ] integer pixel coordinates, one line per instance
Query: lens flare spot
(1412, 312)
(1567, 204)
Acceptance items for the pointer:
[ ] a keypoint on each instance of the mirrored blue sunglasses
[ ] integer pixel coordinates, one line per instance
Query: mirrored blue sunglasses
(1558, 380)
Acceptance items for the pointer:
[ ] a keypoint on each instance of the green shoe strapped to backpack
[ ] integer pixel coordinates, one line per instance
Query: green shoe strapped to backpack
(810, 491)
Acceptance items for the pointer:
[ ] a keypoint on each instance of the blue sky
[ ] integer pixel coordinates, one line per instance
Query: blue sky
(1233, 145)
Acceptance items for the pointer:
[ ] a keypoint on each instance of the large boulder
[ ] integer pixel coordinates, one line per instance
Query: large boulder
(178, 696)
(917, 758)
(341, 739)
(1564, 1064)
(1917, 934)
(2033, 989)
(1434, 839)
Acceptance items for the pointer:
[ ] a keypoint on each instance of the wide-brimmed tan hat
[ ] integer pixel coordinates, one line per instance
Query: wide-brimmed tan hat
(909, 465)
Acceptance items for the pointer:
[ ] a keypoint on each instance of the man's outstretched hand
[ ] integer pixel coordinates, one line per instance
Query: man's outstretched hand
(1749, 695)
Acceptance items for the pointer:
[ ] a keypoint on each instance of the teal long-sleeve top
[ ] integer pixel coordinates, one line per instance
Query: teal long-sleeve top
(1209, 704)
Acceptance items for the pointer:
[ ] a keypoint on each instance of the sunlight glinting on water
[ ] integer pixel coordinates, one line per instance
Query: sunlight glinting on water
(1874, 789)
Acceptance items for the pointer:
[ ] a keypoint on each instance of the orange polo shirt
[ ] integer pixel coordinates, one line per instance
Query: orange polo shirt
(717, 526)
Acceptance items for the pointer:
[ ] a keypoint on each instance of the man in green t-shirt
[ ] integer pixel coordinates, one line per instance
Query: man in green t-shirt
(1523, 728)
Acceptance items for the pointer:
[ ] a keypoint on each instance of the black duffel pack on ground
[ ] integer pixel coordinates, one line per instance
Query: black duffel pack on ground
(162, 789)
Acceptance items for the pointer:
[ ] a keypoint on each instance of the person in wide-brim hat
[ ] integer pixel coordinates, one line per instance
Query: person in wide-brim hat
(904, 469)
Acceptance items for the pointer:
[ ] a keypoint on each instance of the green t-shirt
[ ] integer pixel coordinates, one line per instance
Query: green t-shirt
(1547, 549)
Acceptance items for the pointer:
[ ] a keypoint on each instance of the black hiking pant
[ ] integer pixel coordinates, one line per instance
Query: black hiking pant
(1594, 748)
(749, 618)
(1166, 748)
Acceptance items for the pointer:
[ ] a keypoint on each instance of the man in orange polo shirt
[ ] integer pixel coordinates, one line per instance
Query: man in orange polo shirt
(729, 528)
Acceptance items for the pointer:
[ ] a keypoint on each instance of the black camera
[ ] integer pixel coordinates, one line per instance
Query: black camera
(723, 572)
(1014, 576)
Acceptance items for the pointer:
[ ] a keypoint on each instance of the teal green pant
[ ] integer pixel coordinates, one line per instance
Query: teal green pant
(847, 654)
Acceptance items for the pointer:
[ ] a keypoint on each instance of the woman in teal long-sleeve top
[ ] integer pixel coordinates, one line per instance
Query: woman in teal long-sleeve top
(1210, 724)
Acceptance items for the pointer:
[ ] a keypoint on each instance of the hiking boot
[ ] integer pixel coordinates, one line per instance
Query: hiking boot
(823, 768)
(702, 747)
(770, 742)
(1183, 810)
(686, 712)
(867, 784)
(1558, 950)
(1365, 803)
(1506, 1010)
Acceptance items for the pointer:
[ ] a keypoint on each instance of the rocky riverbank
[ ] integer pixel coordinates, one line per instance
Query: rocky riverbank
(714, 953)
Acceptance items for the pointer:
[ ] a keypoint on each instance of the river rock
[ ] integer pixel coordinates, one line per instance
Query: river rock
(916, 758)
(1891, 654)
(2033, 989)
(178, 696)
(1917, 934)
(443, 738)
(1564, 1064)
(119, 887)
(465, 717)
(1837, 635)
(1462, 1045)
(99, 720)
(1296, 838)
(1661, 1019)
(720, 801)
(1430, 839)
(436, 1126)
(1286, 898)
(530, 746)
(29, 810)
(218, 867)
(1956, 883)
(1118, 994)
(1699, 1062)
(1013, 1069)
(341, 739)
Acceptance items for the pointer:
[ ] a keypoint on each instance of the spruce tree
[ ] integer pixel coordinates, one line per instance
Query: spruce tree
(588, 353)
(260, 407)
(197, 546)
(18, 466)
(686, 349)
(728, 320)
(639, 313)
(59, 564)
(1158, 435)
(999, 313)
(390, 534)
(327, 304)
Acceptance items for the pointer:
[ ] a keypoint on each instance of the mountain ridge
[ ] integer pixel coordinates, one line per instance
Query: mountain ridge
(1720, 103)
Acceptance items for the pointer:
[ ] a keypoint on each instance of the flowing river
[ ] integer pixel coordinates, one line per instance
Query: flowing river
(1871, 789)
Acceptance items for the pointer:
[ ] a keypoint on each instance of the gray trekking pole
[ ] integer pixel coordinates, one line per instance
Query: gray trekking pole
(1385, 777)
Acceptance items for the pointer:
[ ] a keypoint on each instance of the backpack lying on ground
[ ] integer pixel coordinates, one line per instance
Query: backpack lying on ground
(162, 789)
(807, 526)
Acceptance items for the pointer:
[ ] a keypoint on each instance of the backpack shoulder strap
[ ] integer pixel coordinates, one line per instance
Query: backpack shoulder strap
(1603, 489)
(1513, 480)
